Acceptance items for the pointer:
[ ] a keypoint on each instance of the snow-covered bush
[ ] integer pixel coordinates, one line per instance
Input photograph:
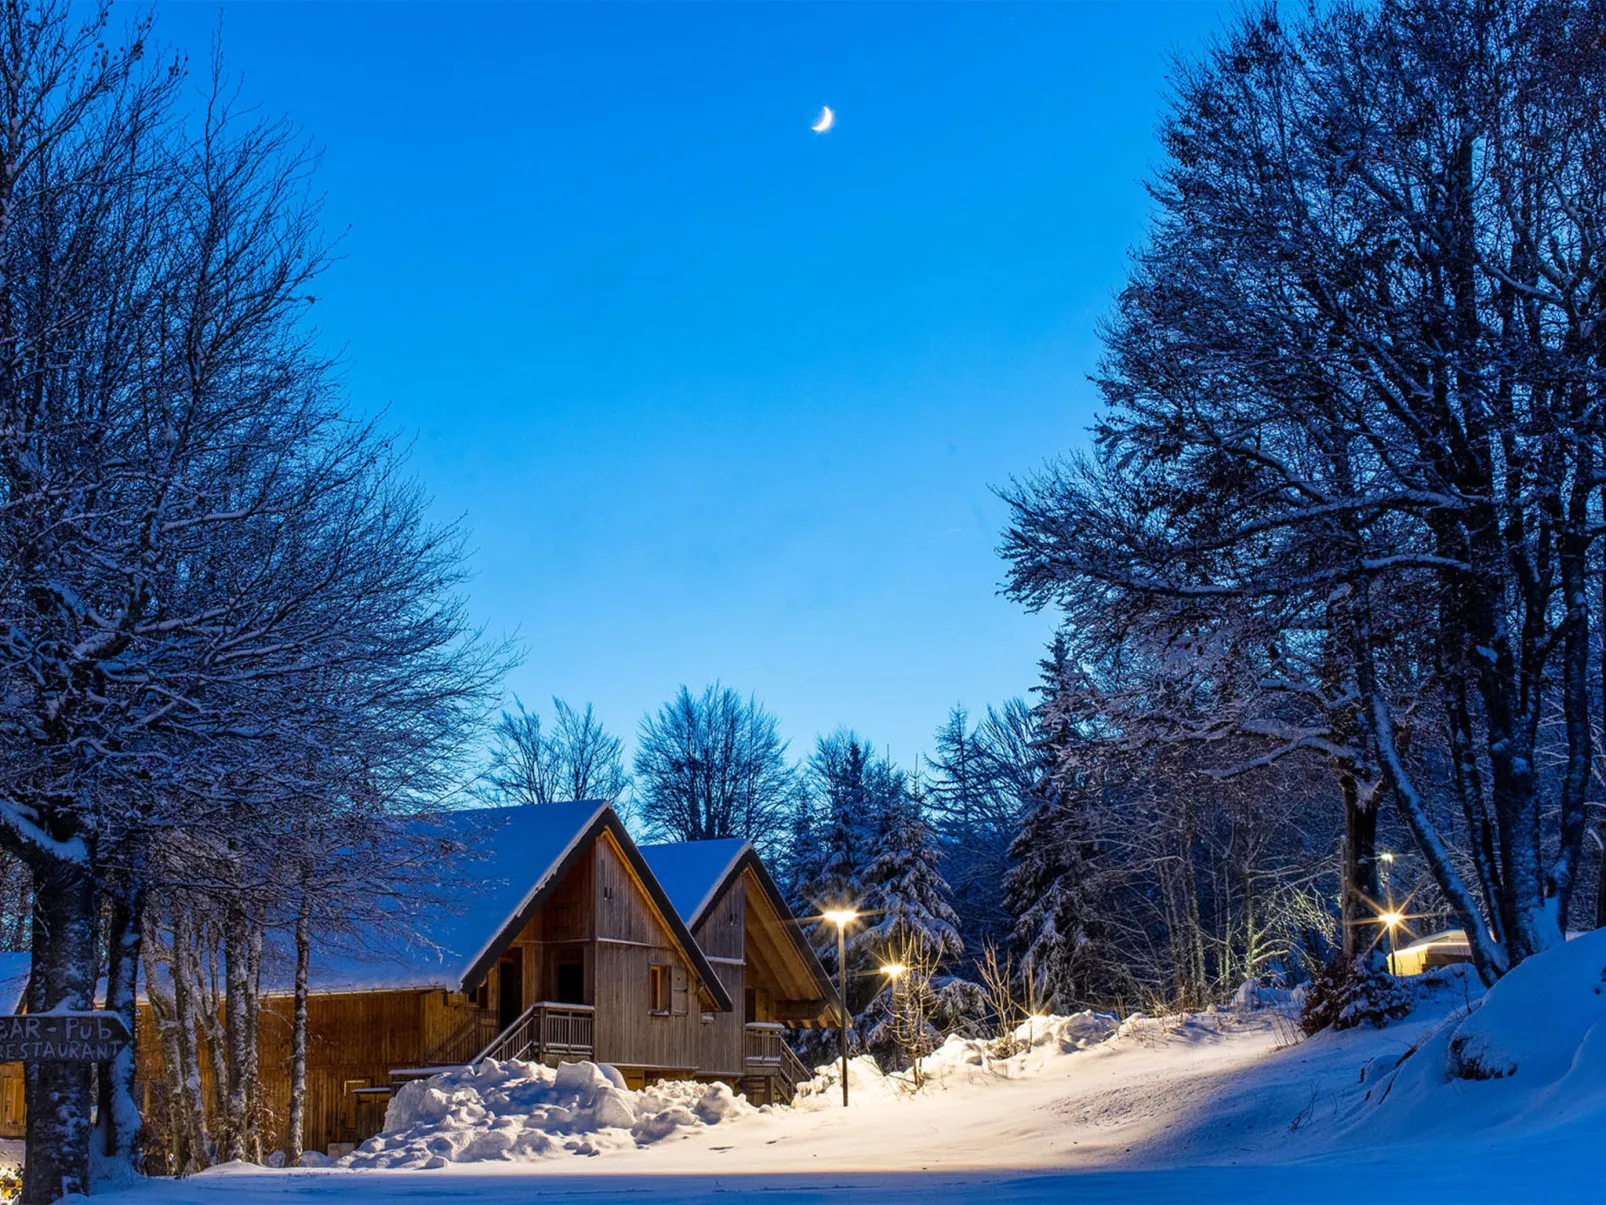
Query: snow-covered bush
(1343, 995)
(518, 1111)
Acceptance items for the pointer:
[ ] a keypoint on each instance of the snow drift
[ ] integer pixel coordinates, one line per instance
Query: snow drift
(515, 1111)
(1531, 1055)
(961, 1060)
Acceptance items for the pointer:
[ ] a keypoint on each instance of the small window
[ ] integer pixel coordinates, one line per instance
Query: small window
(658, 990)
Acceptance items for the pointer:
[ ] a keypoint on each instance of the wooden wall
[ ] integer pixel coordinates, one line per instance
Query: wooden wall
(13, 1114)
(722, 936)
(631, 937)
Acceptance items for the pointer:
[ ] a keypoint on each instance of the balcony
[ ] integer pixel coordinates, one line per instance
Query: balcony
(762, 1045)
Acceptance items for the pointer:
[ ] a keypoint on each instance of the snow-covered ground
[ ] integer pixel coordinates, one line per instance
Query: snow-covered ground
(1500, 1102)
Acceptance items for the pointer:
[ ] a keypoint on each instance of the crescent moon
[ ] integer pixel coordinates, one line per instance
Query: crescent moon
(825, 121)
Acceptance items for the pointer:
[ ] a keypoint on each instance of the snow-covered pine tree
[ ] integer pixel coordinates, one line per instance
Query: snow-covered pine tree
(911, 922)
(905, 894)
(1045, 890)
(845, 827)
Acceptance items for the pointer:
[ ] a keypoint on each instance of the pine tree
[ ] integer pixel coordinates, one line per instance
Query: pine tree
(1046, 888)
(904, 890)
(911, 922)
(976, 815)
(840, 764)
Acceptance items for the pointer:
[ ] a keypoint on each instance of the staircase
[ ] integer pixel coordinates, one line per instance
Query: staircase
(770, 1071)
(543, 1031)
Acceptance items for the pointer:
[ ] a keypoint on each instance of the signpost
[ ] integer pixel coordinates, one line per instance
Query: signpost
(80, 1037)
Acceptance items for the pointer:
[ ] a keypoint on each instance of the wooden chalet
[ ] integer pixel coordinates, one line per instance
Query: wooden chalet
(554, 942)
(544, 934)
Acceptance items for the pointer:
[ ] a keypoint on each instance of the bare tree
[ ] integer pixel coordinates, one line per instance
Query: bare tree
(577, 759)
(713, 765)
(207, 572)
(1349, 420)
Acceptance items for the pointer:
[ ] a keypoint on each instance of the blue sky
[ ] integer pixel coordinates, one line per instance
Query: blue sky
(717, 396)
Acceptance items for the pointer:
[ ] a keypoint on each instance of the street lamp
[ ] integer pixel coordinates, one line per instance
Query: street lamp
(842, 918)
(1389, 920)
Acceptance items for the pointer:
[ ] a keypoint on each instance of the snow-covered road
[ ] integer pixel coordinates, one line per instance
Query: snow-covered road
(1208, 1107)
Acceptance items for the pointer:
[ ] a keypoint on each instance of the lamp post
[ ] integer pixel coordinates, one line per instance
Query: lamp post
(841, 918)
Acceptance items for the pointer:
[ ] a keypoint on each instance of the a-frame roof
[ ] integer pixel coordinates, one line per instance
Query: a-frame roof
(695, 873)
(502, 865)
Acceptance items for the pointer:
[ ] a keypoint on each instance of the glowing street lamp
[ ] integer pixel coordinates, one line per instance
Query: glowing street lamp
(842, 918)
(1390, 920)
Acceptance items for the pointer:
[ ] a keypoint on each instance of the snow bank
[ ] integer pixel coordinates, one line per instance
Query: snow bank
(1035, 1042)
(1531, 1054)
(513, 1111)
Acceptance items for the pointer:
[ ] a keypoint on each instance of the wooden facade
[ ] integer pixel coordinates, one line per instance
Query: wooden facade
(743, 926)
(595, 963)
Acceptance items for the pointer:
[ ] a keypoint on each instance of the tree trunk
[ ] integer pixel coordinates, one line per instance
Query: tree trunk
(58, 1095)
(120, 1122)
(164, 1016)
(211, 1014)
(253, 1068)
(1360, 880)
(236, 1022)
(298, 1036)
(186, 990)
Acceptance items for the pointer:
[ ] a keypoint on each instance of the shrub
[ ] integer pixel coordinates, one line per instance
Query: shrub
(1345, 995)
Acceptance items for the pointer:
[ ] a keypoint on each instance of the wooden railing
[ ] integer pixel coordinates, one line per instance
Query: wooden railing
(545, 1028)
(466, 1041)
(762, 1044)
(793, 1069)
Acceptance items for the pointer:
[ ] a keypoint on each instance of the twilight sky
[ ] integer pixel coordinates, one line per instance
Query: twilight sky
(720, 397)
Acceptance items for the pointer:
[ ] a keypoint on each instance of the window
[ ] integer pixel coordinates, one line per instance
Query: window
(658, 990)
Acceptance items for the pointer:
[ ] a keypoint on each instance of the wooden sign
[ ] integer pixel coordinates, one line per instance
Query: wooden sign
(85, 1037)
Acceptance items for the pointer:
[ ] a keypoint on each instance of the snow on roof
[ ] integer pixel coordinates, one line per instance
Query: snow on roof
(690, 871)
(511, 854)
(14, 968)
(1446, 937)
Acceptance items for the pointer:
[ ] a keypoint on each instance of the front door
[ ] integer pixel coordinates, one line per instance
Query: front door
(509, 991)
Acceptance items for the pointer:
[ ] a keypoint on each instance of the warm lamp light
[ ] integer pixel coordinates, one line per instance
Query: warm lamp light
(1390, 918)
(841, 917)
(893, 969)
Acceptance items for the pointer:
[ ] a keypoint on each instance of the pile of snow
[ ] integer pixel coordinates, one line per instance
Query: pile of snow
(513, 1111)
(1531, 1055)
(1034, 1043)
